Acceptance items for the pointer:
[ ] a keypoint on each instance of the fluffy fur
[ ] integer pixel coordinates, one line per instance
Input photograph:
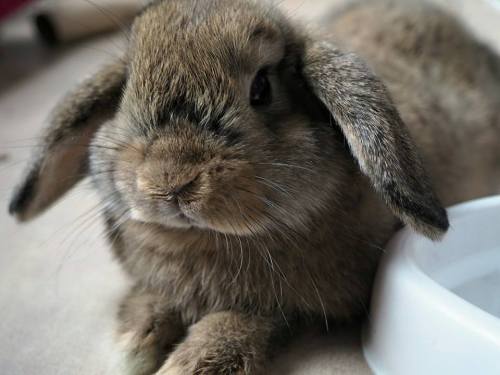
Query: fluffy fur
(236, 222)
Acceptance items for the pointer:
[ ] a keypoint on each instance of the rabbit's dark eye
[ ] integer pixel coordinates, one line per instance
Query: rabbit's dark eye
(260, 92)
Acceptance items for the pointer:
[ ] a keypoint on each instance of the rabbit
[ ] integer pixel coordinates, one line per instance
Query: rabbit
(251, 171)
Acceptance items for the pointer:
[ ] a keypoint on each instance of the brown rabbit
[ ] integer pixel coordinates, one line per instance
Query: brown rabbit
(250, 173)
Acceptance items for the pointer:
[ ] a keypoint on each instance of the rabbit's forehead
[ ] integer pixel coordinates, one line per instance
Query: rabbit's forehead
(200, 35)
(197, 61)
(159, 81)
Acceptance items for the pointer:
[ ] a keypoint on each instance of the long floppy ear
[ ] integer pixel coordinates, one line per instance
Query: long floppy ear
(377, 137)
(62, 157)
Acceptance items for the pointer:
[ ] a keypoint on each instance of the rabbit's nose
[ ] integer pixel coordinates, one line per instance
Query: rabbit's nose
(180, 190)
(165, 192)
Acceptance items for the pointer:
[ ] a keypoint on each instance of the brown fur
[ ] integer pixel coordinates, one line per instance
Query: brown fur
(284, 209)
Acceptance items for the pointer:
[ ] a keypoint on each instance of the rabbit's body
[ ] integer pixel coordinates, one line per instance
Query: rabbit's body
(252, 175)
(445, 84)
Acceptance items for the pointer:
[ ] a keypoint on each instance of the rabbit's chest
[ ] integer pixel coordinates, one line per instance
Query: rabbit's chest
(201, 276)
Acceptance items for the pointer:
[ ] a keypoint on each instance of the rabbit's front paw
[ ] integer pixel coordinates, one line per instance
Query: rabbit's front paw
(223, 343)
(147, 346)
(184, 361)
(141, 354)
(147, 332)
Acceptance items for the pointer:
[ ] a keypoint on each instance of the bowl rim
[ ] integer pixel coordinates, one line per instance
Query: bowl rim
(399, 273)
(401, 251)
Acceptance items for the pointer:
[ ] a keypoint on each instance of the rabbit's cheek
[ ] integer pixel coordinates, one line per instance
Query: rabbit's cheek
(233, 205)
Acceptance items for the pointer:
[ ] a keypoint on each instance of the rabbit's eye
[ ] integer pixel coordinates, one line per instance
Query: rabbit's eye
(260, 92)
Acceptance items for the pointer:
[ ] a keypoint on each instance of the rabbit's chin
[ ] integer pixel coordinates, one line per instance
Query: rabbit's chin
(179, 220)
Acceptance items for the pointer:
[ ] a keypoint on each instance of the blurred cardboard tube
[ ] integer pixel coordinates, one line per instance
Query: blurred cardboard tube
(63, 21)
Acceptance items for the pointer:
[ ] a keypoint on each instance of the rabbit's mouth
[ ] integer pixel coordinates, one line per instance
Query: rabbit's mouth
(183, 219)
(177, 220)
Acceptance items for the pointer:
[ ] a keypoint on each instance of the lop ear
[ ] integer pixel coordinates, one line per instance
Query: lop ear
(61, 160)
(377, 137)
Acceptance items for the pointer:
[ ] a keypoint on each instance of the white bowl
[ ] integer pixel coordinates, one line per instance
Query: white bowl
(436, 305)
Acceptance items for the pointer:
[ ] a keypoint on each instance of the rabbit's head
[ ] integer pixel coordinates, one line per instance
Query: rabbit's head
(224, 116)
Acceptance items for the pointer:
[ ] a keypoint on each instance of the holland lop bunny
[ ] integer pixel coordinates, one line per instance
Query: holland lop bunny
(250, 172)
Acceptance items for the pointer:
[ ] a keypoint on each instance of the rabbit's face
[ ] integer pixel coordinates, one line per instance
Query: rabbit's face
(222, 116)
(210, 132)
